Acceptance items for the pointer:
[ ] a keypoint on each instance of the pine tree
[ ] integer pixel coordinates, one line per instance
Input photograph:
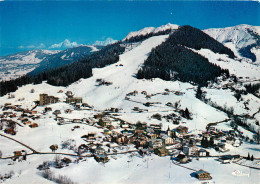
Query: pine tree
(248, 157)
(204, 142)
(252, 158)
(187, 113)
(199, 93)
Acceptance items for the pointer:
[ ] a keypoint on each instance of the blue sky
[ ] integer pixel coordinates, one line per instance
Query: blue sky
(31, 25)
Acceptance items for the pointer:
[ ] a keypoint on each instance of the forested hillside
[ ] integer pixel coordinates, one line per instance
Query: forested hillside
(172, 60)
(70, 73)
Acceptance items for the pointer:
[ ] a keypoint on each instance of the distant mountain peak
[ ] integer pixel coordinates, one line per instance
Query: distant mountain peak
(243, 38)
(149, 30)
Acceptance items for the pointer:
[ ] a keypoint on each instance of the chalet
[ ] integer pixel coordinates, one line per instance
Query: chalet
(34, 125)
(222, 147)
(19, 109)
(161, 152)
(229, 158)
(143, 151)
(82, 148)
(182, 158)
(17, 153)
(176, 144)
(60, 91)
(141, 143)
(7, 104)
(155, 126)
(126, 132)
(203, 153)
(98, 116)
(12, 116)
(102, 123)
(148, 97)
(167, 140)
(237, 143)
(10, 131)
(66, 160)
(141, 125)
(27, 111)
(68, 111)
(100, 155)
(144, 92)
(77, 121)
(27, 123)
(121, 139)
(112, 109)
(110, 127)
(165, 93)
(46, 109)
(89, 136)
(56, 112)
(7, 113)
(86, 105)
(77, 106)
(107, 132)
(135, 109)
(139, 132)
(178, 93)
(125, 126)
(149, 131)
(61, 119)
(172, 151)
(169, 104)
(202, 175)
(237, 158)
(182, 130)
(72, 100)
(156, 143)
(193, 150)
(211, 128)
(33, 112)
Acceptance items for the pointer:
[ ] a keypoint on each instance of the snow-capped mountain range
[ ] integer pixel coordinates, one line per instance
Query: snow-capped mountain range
(242, 39)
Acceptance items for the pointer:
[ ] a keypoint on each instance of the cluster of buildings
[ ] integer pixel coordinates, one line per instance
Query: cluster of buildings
(119, 136)
(15, 115)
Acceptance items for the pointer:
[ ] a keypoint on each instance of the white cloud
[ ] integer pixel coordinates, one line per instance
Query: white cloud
(105, 42)
(65, 44)
(41, 46)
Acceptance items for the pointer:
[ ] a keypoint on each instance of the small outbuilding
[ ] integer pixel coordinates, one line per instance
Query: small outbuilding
(202, 175)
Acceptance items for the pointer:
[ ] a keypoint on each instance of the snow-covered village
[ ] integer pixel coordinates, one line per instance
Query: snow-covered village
(167, 104)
